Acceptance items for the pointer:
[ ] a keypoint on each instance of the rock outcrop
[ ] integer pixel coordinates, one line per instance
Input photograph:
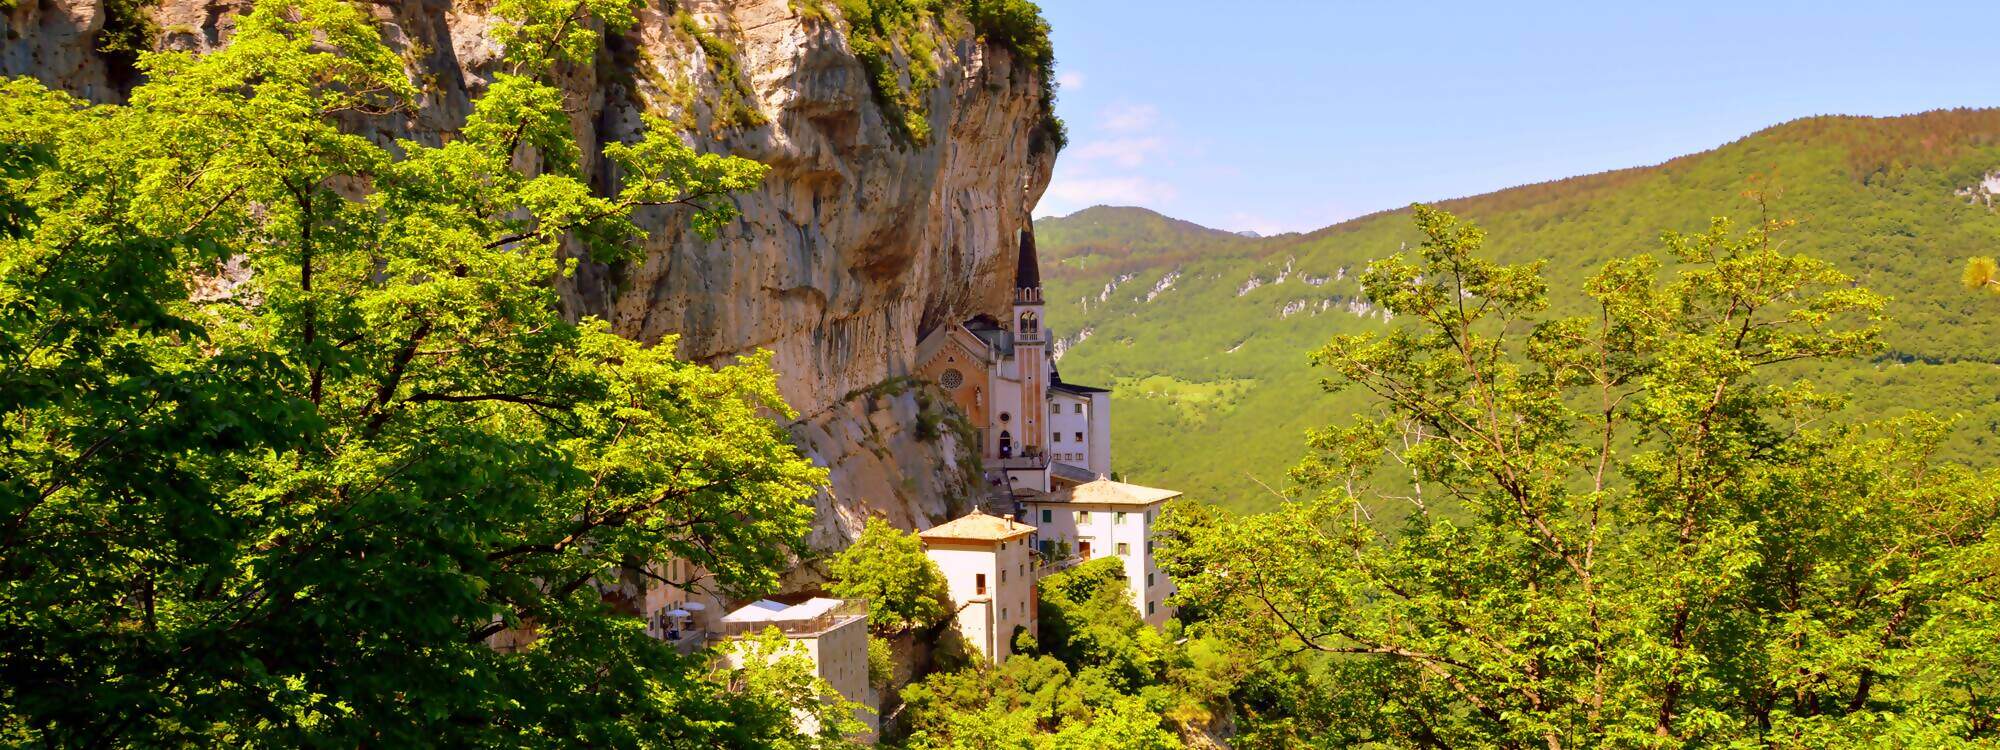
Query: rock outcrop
(859, 240)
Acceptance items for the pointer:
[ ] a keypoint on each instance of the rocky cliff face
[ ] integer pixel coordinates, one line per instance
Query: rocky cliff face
(857, 241)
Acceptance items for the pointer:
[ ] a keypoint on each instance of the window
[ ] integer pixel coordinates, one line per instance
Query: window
(1149, 580)
(1058, 437)
(1048, 516)
(1003, 613)
(1119, 518)
(1149, 609)
(1079, 437)
(1083, 516)
(951, 379)
(1149, 546)
(1124, 549)
(1076, 408)
(1048, 547)
(979, 584)
(1003, 575)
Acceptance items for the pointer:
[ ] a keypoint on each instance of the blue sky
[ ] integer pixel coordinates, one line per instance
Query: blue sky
(1279, 116)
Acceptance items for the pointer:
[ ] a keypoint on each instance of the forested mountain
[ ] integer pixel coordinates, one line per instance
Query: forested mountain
(1204, 333)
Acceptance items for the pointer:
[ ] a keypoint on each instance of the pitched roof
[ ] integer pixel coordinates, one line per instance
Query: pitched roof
(1107, 492)
(1071, 473)
(1057, 384)
(1081, 390)
(977, 526)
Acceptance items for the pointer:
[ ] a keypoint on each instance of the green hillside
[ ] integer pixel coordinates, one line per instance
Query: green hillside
(1204, 333)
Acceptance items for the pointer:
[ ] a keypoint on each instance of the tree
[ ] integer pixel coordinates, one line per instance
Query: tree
(1617, 529)
(1982, 273)
(778, 680)
(1087, 620)
(888, 567)
(291, 423)
(1097, 677)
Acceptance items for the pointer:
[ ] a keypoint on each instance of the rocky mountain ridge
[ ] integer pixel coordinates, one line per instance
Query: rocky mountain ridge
(1218, 356)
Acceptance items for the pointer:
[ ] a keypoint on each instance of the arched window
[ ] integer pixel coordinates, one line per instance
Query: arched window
(1030, 325)
(1006, 444)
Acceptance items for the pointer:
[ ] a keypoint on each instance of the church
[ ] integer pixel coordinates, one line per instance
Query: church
(1046, 446)
(1036, 432)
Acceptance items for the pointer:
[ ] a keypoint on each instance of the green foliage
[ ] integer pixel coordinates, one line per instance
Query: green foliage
(1018, 25)
(1097, 677)
(1032, 702)
(1087, 620)
(1982, 273)
(291, 424)
(1878, 198)
(881, 663)
(888, 567)
(896, 42)
(776, 679)
(1661, 540)
(735, 107)
(129, 31)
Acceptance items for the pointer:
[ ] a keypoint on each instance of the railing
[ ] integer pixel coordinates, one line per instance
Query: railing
(1020, 462)
(1058, 565)
(848, 610)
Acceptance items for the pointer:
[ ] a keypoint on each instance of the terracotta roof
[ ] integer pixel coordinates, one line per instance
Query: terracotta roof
(978, 526)
(1107, 492)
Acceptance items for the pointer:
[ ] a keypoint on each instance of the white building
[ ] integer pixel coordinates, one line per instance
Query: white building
(1080, 427)
(1104, 517)
(991, 578)
(833, 633)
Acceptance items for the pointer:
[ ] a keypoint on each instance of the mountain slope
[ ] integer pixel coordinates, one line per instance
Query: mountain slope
(1204, 334)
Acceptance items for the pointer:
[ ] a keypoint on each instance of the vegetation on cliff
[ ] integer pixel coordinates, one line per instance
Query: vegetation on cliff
(291, 426)
(897, 43)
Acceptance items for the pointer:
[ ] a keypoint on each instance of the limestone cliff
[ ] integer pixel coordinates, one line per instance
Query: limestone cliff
(862, 237)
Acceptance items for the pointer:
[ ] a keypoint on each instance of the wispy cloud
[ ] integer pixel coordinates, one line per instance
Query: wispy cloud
(1069, 80)
(1129, 153)
(1129, 118)
(1069, 192)
(1109, 163)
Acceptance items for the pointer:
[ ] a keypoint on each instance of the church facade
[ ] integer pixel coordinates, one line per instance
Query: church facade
(1036, 432)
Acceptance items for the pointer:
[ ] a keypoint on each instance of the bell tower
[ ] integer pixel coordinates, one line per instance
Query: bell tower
(1031, 348)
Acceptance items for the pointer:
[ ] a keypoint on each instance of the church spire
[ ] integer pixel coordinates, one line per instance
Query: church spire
(1028, 272)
